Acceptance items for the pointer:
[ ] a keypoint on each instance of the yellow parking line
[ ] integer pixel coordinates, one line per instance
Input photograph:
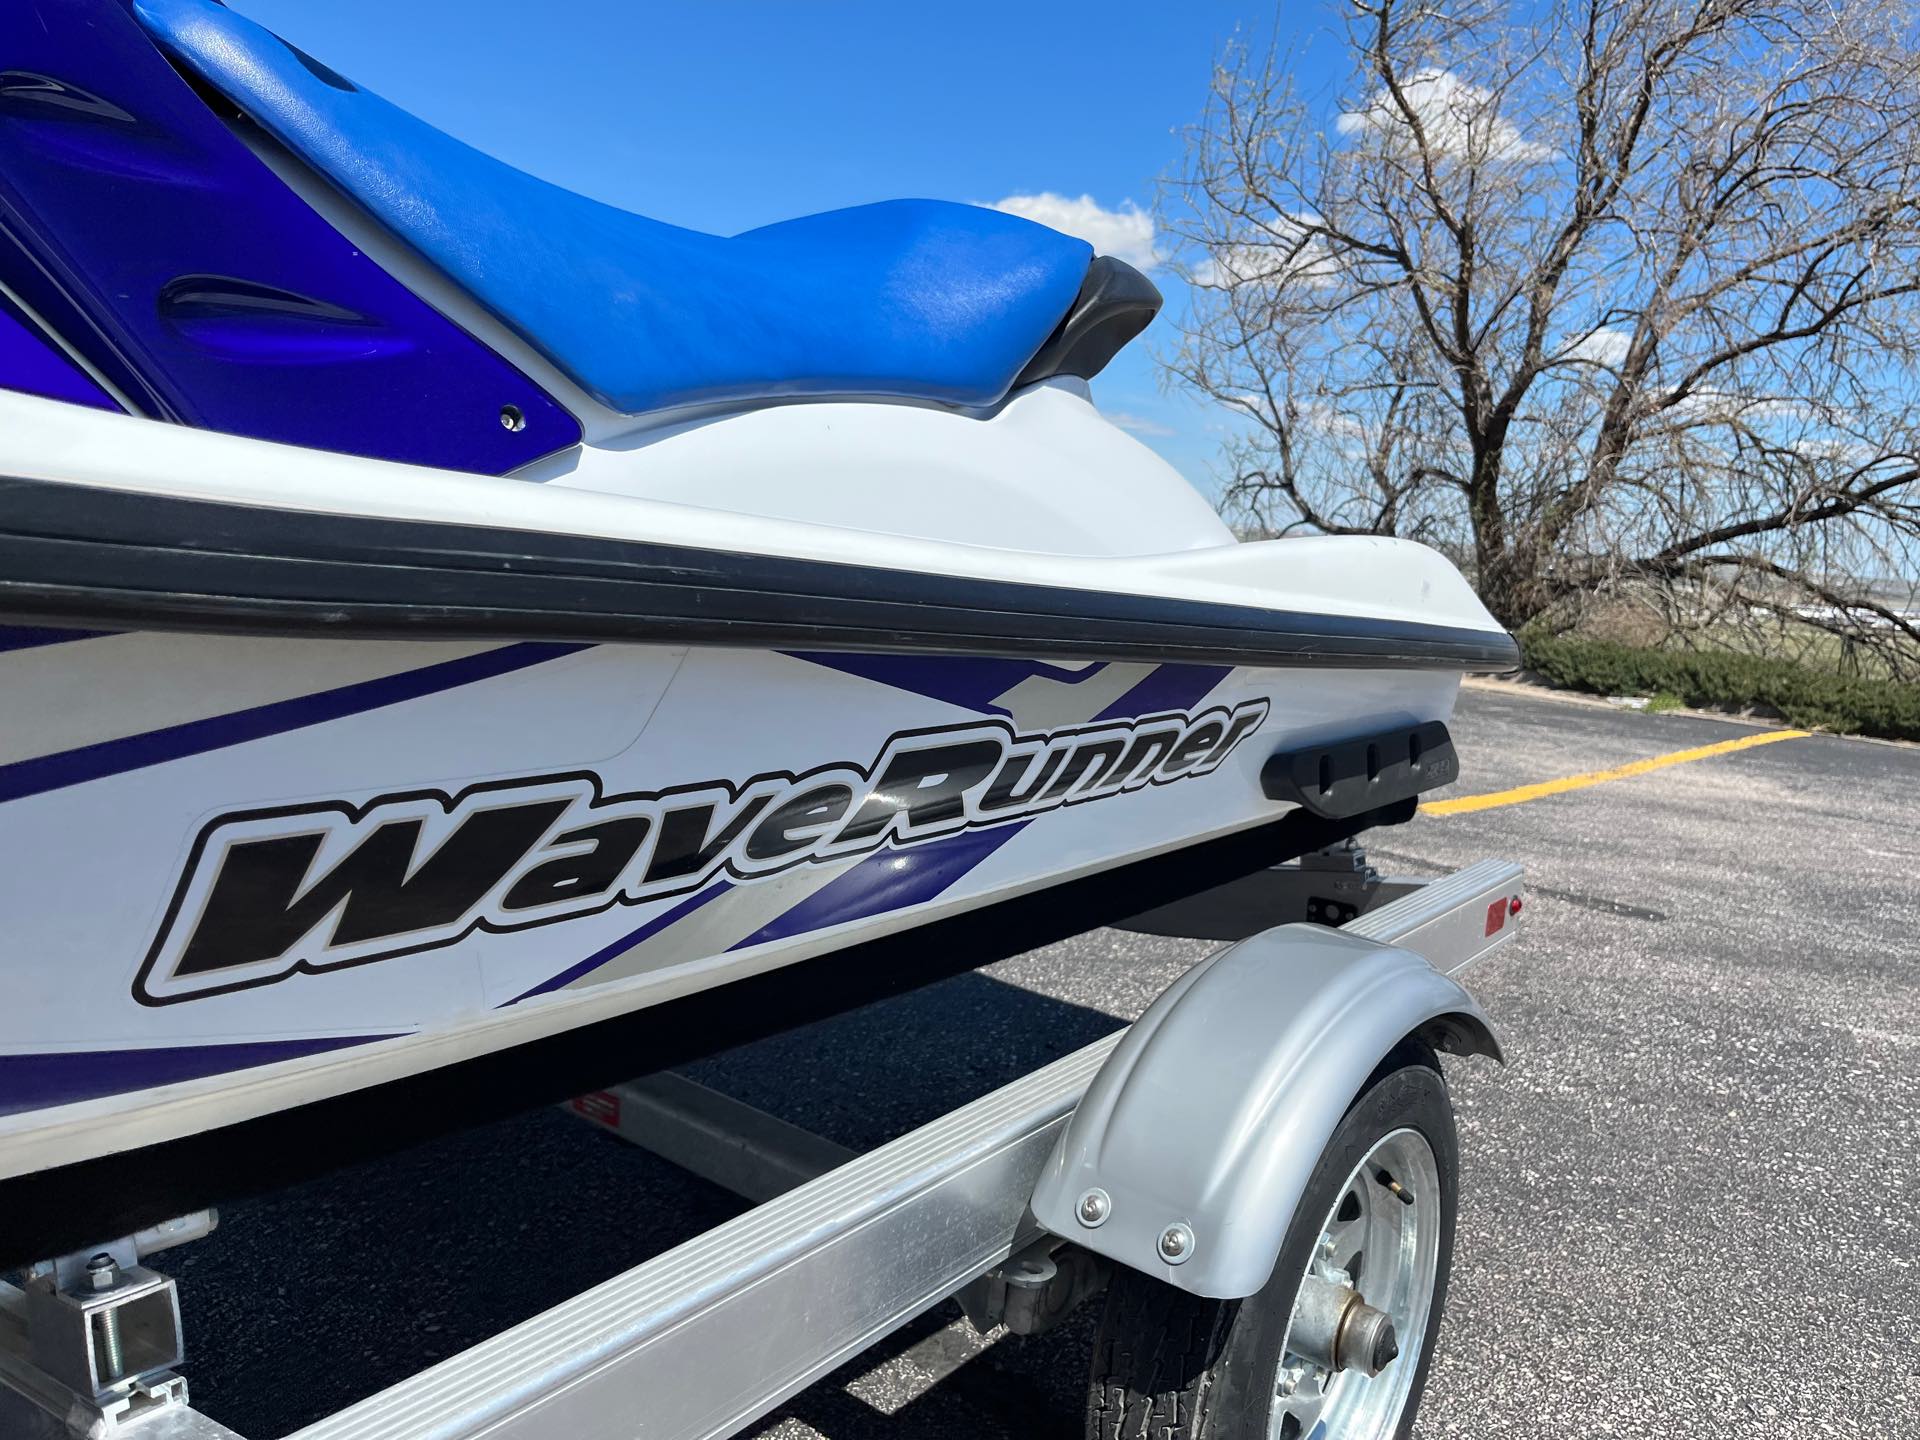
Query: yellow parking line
(1520, 794)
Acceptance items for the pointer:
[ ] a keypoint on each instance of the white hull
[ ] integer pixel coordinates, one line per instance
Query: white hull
(127, 757)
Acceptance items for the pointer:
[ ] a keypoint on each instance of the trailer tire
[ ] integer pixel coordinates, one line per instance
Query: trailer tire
(1168, 1365)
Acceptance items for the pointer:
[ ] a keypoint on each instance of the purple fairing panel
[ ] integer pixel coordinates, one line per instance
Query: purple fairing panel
(172, 258)
(29, 363)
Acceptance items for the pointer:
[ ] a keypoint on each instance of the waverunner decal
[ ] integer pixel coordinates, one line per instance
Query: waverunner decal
(266, 894)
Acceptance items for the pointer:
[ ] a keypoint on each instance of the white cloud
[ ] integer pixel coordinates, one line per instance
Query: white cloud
(1125, 233)
(1315, 416)
(1605, 346)
(1338, 424)
(1137, 424)
(1724, 407)
(1839, 450)
(1284, 252)
(1459, 118)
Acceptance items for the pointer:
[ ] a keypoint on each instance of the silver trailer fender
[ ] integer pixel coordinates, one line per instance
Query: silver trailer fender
(1188, 1154)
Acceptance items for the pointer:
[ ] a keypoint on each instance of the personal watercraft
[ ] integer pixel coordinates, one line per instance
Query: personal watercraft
(444, 619)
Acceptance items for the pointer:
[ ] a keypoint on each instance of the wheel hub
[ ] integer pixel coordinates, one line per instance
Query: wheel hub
(1360, 1315)
(1336, 1329)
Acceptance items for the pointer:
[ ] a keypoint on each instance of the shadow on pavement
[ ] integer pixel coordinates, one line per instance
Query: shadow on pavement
(310, 1298)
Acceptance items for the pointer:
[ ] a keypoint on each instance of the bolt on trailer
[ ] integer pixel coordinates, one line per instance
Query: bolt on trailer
(1257, 1181)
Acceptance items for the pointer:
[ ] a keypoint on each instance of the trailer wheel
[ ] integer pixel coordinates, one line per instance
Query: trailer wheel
(1302, 1357)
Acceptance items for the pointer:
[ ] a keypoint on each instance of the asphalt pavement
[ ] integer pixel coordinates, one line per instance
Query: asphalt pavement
(1689, 1200)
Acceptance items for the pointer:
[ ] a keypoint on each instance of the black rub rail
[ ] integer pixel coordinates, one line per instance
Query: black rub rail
(88, 557)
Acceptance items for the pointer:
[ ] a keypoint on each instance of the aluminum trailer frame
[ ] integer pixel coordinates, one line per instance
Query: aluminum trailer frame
(708, 1337)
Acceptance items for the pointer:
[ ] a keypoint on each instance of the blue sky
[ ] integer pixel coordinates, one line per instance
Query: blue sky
(722, 116)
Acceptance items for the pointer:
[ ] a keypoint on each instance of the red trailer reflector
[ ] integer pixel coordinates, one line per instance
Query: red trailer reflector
(1496, 916)
(600, 1106)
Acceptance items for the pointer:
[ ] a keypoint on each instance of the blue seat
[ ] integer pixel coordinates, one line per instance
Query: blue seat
(918, 299)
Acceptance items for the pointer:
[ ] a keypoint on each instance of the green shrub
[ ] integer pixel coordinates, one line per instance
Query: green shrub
(1806, 697)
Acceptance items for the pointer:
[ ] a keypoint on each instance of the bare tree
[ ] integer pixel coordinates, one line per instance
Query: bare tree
(1609, 296)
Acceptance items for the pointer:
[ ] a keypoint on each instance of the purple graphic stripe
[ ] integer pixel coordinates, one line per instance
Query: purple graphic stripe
(896, 879)
(893, 879)
(33, 1082)
(969, 680)
(607, 952)
(31, 637)
(197, 737)
(886, 880)
(976, 682)
(1168, 687)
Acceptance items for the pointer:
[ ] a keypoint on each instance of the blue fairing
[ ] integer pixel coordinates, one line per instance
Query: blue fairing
(29, 363)
(913, 298)
(144, 234)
